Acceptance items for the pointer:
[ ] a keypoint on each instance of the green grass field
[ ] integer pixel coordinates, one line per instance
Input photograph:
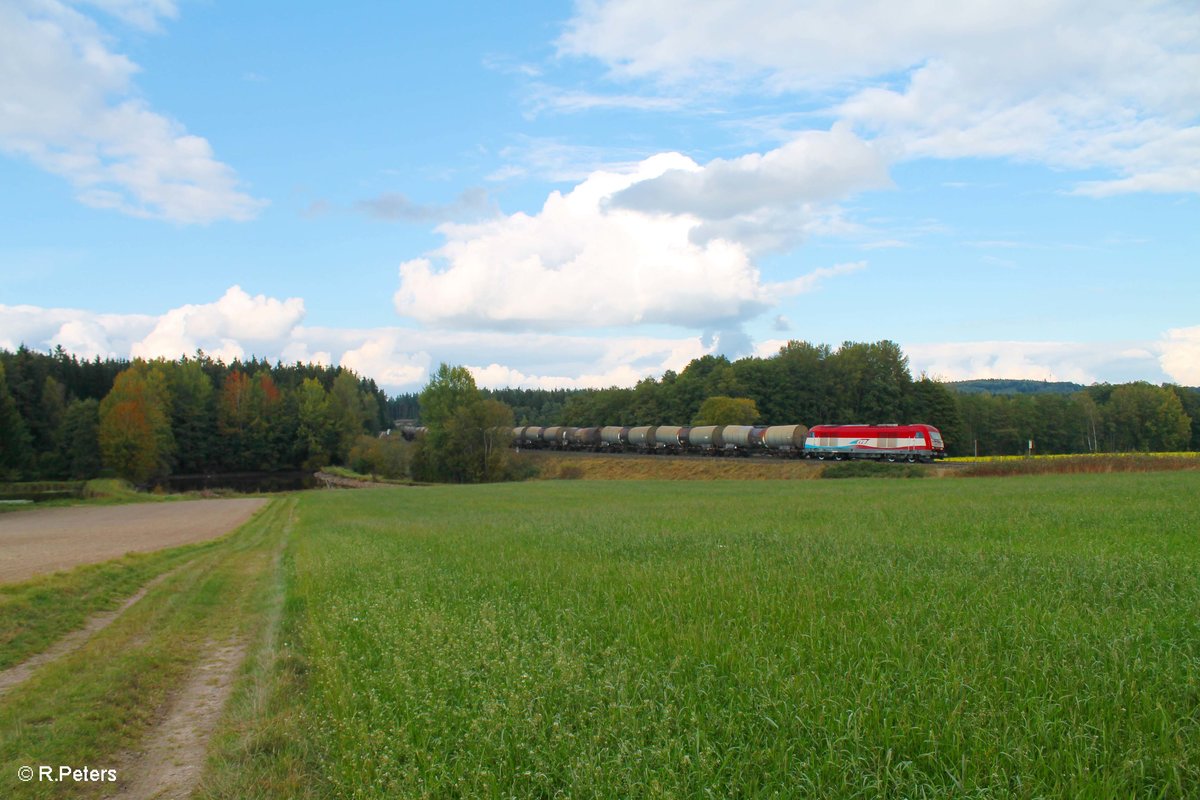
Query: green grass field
(1033, 636)
(1021, 637)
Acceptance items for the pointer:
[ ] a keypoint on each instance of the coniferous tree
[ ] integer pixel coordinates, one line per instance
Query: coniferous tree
(80, 443)
(16, 450)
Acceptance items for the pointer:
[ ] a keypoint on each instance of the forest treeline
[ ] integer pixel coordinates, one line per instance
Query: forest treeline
(62, 417)
(872, 383)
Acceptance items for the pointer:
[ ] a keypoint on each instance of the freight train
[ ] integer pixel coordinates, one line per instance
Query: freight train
(889, 442)
(880, 442)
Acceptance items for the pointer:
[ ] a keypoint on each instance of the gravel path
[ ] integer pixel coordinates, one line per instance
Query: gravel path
(39, 541)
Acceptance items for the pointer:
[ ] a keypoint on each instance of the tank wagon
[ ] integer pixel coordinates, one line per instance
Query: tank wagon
(879, 442)
(706, 438)
(641, 438)
(614, 437)
(670, 439)
(785, 439)
(584, 439)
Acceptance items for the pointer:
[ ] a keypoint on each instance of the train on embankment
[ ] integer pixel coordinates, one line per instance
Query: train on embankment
(890, 442)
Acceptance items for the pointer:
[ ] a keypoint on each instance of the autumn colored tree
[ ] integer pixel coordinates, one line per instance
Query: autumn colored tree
(135, 429)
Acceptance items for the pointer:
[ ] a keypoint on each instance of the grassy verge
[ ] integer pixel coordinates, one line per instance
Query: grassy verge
(92, 704)
(608, 467)
(1068, 456)
(1016, 638)
(96, 492)
(263, 749)
(1081, 465)
(873, 469)
(36, 613)
(349, 474)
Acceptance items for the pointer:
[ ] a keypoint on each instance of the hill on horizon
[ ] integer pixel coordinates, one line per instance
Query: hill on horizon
(1014, 386)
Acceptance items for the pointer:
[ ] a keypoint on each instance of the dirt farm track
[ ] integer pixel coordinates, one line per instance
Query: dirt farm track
(46, 540)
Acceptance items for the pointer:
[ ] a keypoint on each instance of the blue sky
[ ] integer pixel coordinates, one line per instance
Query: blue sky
(561, 194)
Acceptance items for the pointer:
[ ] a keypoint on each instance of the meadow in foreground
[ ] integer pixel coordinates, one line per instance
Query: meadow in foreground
(1020, 637)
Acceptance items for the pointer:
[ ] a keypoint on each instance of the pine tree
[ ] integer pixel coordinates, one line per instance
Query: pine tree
(16, 450)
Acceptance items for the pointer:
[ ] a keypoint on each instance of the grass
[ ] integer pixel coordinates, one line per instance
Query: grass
(1072, 456)
(609, 467)
(873, 469)
(1029, 637)
(38, 612)
(349, 474)
(1085, 464)
(97, 702)
(95, 492)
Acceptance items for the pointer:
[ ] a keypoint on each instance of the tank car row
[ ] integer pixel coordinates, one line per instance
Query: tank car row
(881, 442)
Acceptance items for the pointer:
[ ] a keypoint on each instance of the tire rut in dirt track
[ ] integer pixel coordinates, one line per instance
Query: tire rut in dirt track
(74, 640)
(172, 760)
(40, 541)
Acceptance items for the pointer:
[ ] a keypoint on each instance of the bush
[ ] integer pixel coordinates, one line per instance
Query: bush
(386, 456)
(872, 469)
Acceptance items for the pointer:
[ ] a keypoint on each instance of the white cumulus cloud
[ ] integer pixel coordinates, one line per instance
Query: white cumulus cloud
(400, 359)
(1181, 355)
(384, 357)
(1079, 84)
(69, 105)
(224, 328)
(239, 325)
(1078, 362)
(666, 242)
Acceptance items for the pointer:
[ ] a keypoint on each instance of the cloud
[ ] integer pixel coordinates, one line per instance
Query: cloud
(1078, 362)
(815, 166)
(383, 357)
(400, 359)
(560, 162)
(221, 328)
(809, 282)
(1181, 355)
(143, 14)
(239, 325)
(395, 207)
(660, 243)
(550, 98)
(68, 104)
(84, 333)
(768, 201)
(579, 264)
(1078, 84)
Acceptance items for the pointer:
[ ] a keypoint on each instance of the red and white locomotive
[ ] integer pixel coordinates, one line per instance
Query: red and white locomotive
(881, 442)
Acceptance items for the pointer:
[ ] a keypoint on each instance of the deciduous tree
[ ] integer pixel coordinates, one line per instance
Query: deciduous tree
(721, 410)
(135, 428)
